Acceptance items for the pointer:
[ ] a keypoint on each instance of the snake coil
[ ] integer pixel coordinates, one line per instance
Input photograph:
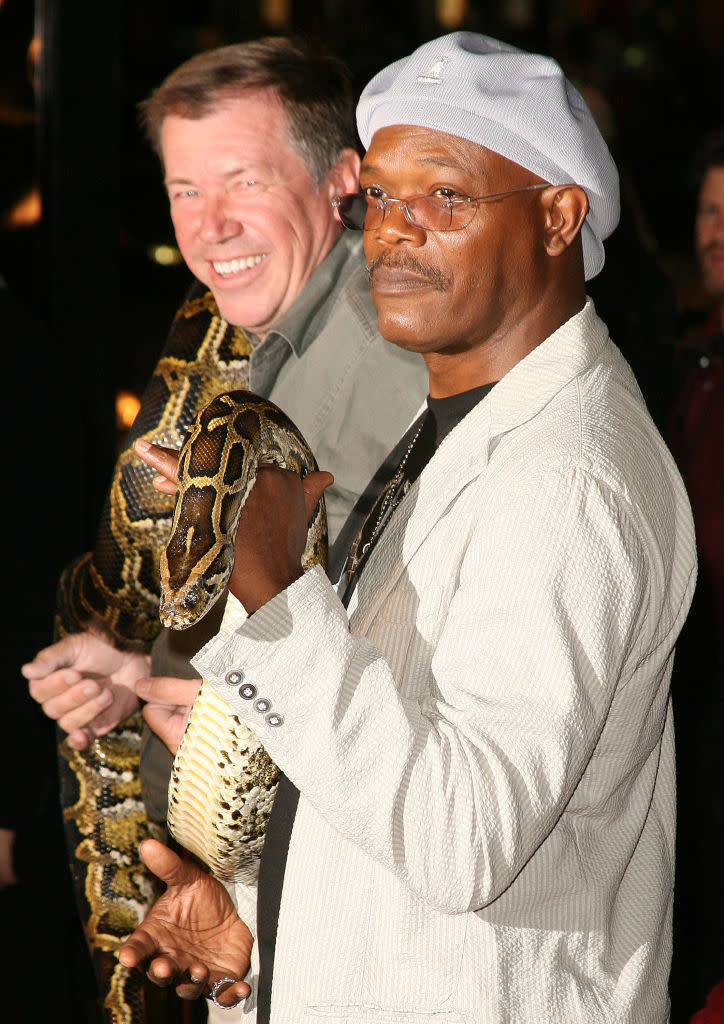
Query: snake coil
(223, 782)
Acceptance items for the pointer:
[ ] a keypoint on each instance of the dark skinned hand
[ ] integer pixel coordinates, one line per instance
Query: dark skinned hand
(272, 529)
(192, 936)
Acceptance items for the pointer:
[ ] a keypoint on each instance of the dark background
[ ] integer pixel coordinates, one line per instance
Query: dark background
(87, 250)
(651, 70)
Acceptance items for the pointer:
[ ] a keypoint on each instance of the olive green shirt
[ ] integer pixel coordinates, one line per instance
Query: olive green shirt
(351, 393)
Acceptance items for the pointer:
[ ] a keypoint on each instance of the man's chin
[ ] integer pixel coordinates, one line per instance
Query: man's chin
(407, 333)
(241, 314)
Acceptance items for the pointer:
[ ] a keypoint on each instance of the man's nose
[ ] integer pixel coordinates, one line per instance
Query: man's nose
(397, 226)
(219, 221)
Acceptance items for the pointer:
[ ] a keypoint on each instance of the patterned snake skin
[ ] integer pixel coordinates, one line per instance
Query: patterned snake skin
(116, 588)
(223, 782)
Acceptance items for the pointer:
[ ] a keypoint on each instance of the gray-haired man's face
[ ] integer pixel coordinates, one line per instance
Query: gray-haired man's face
(248, 219)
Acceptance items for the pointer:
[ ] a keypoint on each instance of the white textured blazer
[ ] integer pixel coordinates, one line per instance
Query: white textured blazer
(484, 748)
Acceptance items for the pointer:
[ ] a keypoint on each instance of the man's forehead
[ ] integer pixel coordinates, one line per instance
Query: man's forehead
(233, 101)
(713, 181)
(253, 124)
(418, 146)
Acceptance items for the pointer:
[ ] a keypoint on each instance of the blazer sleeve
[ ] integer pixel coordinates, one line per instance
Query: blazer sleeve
(555, 599)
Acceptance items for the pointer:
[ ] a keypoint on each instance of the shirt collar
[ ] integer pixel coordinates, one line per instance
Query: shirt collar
(293, 327)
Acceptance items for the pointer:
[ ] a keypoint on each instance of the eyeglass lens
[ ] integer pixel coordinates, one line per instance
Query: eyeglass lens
(432, 213)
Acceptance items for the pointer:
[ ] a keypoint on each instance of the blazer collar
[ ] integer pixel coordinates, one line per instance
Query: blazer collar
(465, 452)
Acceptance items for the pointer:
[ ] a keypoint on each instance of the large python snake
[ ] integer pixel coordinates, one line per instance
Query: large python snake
(223, 782)
(116, 588)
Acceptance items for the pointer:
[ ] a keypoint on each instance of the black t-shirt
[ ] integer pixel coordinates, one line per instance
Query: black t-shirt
(425, 435)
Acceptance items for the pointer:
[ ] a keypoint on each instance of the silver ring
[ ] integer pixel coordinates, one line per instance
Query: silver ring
(215, 991)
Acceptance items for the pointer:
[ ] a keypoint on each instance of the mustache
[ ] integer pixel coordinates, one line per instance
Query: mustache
(412, 264)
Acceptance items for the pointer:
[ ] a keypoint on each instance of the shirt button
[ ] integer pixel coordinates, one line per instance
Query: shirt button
(274, 719)
(262, 705)
(247, 691)
(234, 677)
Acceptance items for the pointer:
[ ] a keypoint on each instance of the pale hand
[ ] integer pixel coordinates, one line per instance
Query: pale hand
(192, 936)
(86, 685)
(168, 706)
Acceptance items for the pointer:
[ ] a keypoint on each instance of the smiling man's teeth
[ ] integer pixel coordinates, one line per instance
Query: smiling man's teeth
(228, 267)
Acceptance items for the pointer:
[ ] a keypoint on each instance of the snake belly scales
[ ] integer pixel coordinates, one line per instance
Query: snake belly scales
(223, 782)
(115, 589)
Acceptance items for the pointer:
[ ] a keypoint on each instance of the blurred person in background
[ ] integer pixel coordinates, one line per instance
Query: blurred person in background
(696, 436)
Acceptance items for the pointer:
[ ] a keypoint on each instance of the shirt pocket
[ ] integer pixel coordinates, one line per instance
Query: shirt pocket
(328, 1013)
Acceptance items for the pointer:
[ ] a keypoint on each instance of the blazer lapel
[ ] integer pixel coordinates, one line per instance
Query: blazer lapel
(460, 459)
(465, 453)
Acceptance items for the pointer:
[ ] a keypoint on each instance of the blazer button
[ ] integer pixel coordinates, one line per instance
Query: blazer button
(247, 691)
(274, 719)
(262, 705)
(234, 677)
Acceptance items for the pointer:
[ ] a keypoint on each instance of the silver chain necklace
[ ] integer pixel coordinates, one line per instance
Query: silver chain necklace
(393, 495)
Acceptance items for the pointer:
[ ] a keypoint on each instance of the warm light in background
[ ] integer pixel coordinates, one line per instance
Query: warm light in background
(33, 60)
(276, 13)
(26, 212)
(450, 13)
(127, 406)
(165, 255)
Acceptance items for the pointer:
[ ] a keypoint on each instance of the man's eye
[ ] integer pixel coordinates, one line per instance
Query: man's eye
(184, 193)
(447, 193)
(373, 192)
(245, 185)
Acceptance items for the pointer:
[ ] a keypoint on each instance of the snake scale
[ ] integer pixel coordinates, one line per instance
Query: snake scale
(115, 588)
(223, 782)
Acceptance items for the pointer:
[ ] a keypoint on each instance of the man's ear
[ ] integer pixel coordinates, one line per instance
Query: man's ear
(565, 208)
(344, 176)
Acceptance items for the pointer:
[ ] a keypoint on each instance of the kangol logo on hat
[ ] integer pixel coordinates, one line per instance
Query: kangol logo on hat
(433, 75)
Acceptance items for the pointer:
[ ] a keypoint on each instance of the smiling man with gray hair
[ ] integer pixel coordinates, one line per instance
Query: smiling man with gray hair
(477, 717)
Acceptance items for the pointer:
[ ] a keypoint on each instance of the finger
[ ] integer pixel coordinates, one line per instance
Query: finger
(78, 700)
(83, 715)
(174, 693)
(163, 971)
(315, 484)
(188, 990)
(49, 660)
(195, 986)
(138, 947)
(232, 995)
(164, 486)
(55, 685)
(165, 864)
(163, 460)
(80, 739)
(124, 703)
(169, 724)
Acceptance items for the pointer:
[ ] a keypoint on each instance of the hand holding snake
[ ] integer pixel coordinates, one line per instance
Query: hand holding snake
(249, 514)
(272, 530)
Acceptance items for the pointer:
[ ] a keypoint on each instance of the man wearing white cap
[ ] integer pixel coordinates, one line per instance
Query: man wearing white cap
(477, 719)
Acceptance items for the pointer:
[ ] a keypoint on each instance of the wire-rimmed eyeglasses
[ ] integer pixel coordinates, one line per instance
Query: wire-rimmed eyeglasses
(361, 211)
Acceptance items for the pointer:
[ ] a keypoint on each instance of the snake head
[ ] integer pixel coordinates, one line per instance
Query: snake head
(180, 609)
